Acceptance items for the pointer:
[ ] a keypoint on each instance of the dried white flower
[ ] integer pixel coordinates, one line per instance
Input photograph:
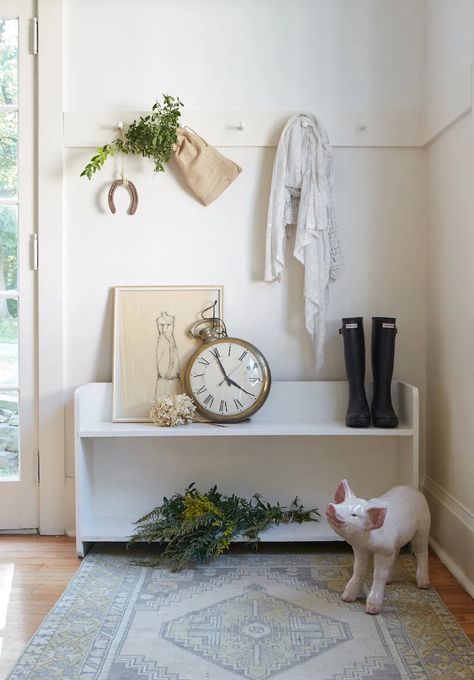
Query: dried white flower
(169, 411)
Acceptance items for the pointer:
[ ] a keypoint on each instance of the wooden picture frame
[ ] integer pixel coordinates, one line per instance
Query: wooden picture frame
(152, 343)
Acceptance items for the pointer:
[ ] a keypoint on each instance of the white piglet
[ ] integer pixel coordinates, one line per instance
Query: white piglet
(381, 526)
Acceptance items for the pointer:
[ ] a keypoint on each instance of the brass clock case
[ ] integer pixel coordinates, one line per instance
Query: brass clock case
(260, 400)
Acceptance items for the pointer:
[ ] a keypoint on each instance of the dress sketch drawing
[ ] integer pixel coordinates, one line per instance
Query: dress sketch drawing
(168, 379)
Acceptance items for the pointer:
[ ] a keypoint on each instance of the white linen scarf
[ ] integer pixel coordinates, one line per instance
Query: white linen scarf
(301, 195)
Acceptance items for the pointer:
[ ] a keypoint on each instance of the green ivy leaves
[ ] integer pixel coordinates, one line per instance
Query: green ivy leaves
(152, 136)
(97, 161)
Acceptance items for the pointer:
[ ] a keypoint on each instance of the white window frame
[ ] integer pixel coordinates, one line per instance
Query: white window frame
(20, 496)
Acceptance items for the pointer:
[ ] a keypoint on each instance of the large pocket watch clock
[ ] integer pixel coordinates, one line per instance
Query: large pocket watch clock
(228, 378)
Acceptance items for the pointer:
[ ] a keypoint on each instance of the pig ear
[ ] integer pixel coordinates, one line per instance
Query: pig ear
(343, 491)
(375, 517)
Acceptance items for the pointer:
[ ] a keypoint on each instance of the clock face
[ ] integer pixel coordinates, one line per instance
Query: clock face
(228, 379)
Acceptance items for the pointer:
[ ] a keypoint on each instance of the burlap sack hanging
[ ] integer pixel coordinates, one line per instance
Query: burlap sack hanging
(206, 171)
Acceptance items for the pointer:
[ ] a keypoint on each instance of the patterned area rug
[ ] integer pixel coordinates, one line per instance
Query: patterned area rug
(247, 615)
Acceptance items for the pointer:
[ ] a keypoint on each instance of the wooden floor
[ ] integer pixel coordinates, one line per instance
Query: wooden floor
(34, 570)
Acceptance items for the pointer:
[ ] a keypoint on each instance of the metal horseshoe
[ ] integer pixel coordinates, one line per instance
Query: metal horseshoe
(131, 190)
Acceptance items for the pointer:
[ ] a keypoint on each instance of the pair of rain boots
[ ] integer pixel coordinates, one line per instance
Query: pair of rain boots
(384, 331)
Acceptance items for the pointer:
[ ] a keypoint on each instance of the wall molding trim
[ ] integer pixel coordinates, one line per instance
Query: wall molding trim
(363, 128)
(89, 129)
(453, 100)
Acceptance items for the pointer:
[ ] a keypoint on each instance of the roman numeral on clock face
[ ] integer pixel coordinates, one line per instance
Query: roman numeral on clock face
(209, 400)
(203, 361)
(238, 404)
(215, 352)
(223, 406)
(201, 390)
(243, 355)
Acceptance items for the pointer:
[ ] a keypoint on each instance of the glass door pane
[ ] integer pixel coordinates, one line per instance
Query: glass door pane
(9, 440)
(9, 61)
(9, 378)
(8, 153)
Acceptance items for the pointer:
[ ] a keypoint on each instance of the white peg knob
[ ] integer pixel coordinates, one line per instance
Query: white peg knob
(120, 125)
(304, 123)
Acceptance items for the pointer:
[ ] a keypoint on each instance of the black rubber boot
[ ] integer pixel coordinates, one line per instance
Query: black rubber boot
(358, 413)
(384, 331)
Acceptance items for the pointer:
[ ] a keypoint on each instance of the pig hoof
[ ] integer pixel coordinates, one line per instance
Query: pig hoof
(423, 584)
(372, 609)
(349, 597)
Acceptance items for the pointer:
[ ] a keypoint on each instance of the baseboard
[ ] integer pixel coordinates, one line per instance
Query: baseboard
(458, 574)
(452, 534)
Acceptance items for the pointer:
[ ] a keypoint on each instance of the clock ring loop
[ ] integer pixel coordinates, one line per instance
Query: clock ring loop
(132, 190)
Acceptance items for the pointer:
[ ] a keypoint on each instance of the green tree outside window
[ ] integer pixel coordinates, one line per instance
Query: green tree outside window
(8, 166)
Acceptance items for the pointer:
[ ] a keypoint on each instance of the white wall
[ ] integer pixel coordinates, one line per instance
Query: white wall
(450, 282)
(447, 27)
(244, 55)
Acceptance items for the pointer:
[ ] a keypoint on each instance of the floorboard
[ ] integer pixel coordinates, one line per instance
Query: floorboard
(34, 571)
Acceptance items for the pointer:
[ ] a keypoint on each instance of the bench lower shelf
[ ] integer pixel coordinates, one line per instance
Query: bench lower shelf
(296, 445)
(116, 530)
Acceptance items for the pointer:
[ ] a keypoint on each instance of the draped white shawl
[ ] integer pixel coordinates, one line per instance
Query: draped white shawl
(301, 195)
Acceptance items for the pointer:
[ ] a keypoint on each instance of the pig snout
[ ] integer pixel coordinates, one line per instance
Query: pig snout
(332, 517)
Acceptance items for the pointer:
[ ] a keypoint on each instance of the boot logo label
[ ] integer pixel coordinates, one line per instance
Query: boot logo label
(351, 325)
(388, 325)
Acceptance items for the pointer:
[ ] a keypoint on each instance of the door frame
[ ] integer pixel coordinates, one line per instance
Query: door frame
(50, 362)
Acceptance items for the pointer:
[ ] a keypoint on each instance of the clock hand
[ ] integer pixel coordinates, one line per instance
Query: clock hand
(229, 374)
(226, 378)
(241, 388)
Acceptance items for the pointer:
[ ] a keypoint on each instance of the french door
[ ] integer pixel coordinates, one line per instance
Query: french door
(18, 420)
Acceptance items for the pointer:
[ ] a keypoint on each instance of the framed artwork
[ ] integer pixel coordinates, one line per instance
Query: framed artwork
(152, 343)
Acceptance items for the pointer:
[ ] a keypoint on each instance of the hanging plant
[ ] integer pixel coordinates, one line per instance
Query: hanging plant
(152, 136)
(195, 527)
